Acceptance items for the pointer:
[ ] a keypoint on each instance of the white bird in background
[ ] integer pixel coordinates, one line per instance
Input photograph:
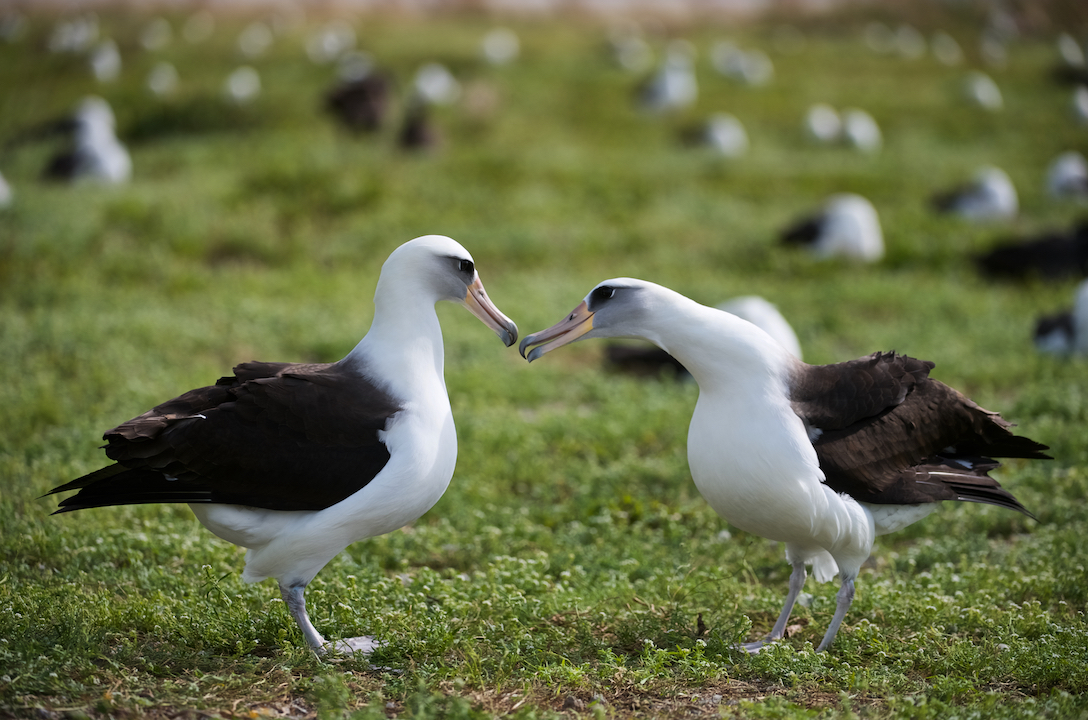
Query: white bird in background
(823, 124)
(909, 43)
(1067, 176)
(751, 67)
(821, 457)
(861, 130)
(765, 316)
(255, 39)
(434, 84)
(946, 49)
(330, 42)
(1065, 333)
(983, 91)
(1080, 104)
(1070, 51)
(74, 35)
(6, 194)
(97, 153)
(296, 461)
(725, 134)
(629, 49)
(847, 226)
(163, 79)
(673, 87)
(105, 61)
(653, 361)
(500, 46)
(156, 34)
(990, 196)
(243, 85)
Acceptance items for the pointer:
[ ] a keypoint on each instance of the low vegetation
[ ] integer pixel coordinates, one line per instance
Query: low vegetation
(572, 567)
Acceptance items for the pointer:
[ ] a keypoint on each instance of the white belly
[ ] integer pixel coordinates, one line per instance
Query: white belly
(294, 545)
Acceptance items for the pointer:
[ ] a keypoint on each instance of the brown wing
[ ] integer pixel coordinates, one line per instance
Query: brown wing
(275, 435)
(902, 438)
(835, 396)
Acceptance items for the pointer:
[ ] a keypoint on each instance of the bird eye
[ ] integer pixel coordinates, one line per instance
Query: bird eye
(465, 266)
(603, 293)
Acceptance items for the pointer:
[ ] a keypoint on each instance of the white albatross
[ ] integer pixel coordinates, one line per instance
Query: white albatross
(297, 461)
(821, 457)
(847, 226)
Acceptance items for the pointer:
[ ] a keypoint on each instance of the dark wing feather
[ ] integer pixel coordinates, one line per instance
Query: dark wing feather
(891, 435)
(832, 397)
(275, 435)
(1052, 256)
(803, 232)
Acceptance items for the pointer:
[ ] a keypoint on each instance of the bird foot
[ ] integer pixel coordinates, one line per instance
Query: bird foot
(753, 648)
(349, 646)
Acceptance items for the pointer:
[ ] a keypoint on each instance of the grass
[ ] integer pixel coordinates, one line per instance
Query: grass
(571, 568)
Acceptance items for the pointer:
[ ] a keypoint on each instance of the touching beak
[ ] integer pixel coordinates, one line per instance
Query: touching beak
(480, 305)
(577, 324)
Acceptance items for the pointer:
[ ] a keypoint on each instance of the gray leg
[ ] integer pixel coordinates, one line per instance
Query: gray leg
(797, 583)
(844, 599)
(295, 598)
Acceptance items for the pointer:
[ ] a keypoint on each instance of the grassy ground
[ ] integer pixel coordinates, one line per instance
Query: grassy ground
(571, 567)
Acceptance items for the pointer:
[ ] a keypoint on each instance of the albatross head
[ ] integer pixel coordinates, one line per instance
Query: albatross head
(615, 308)
(438, 268)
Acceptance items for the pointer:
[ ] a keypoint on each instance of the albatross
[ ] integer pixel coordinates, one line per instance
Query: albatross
(296, 461)
(821, 457)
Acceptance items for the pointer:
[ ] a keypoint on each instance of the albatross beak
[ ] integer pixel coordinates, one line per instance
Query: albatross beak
(577, 324)
(480, 305)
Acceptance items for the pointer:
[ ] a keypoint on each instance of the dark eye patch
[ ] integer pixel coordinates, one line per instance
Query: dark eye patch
(603, 293)
(466, 267)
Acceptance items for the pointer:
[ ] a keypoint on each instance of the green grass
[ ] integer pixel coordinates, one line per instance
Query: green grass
(572, 566)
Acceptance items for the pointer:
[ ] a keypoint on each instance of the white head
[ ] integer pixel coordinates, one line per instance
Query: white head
(614, 308)
(433, 268)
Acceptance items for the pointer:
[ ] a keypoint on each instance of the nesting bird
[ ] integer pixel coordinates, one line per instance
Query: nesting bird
(847, 226)
(861, 131)
(673, 87)
(821, 457)
(105, 61)
(1052, 256)
(822, 123)
(96, 153)
(362, 98)
(989, 196)
(243, 85)
(1065, 333)
(1067, 176)
(722, 133)
(6, 194)
(751, 67)
(983, 91)
(296, 461)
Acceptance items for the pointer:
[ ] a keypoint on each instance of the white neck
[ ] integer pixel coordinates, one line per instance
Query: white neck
(404, 343)
(721, 351)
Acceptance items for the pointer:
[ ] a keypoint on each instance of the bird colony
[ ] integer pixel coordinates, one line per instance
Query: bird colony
(296, 461)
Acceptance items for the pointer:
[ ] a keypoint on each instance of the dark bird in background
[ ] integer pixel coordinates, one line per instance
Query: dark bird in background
(846, 226)
(418, 132)
(1065, 333)
(989, 196)
(92, 151)
(362, 104)
(1052, 256)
